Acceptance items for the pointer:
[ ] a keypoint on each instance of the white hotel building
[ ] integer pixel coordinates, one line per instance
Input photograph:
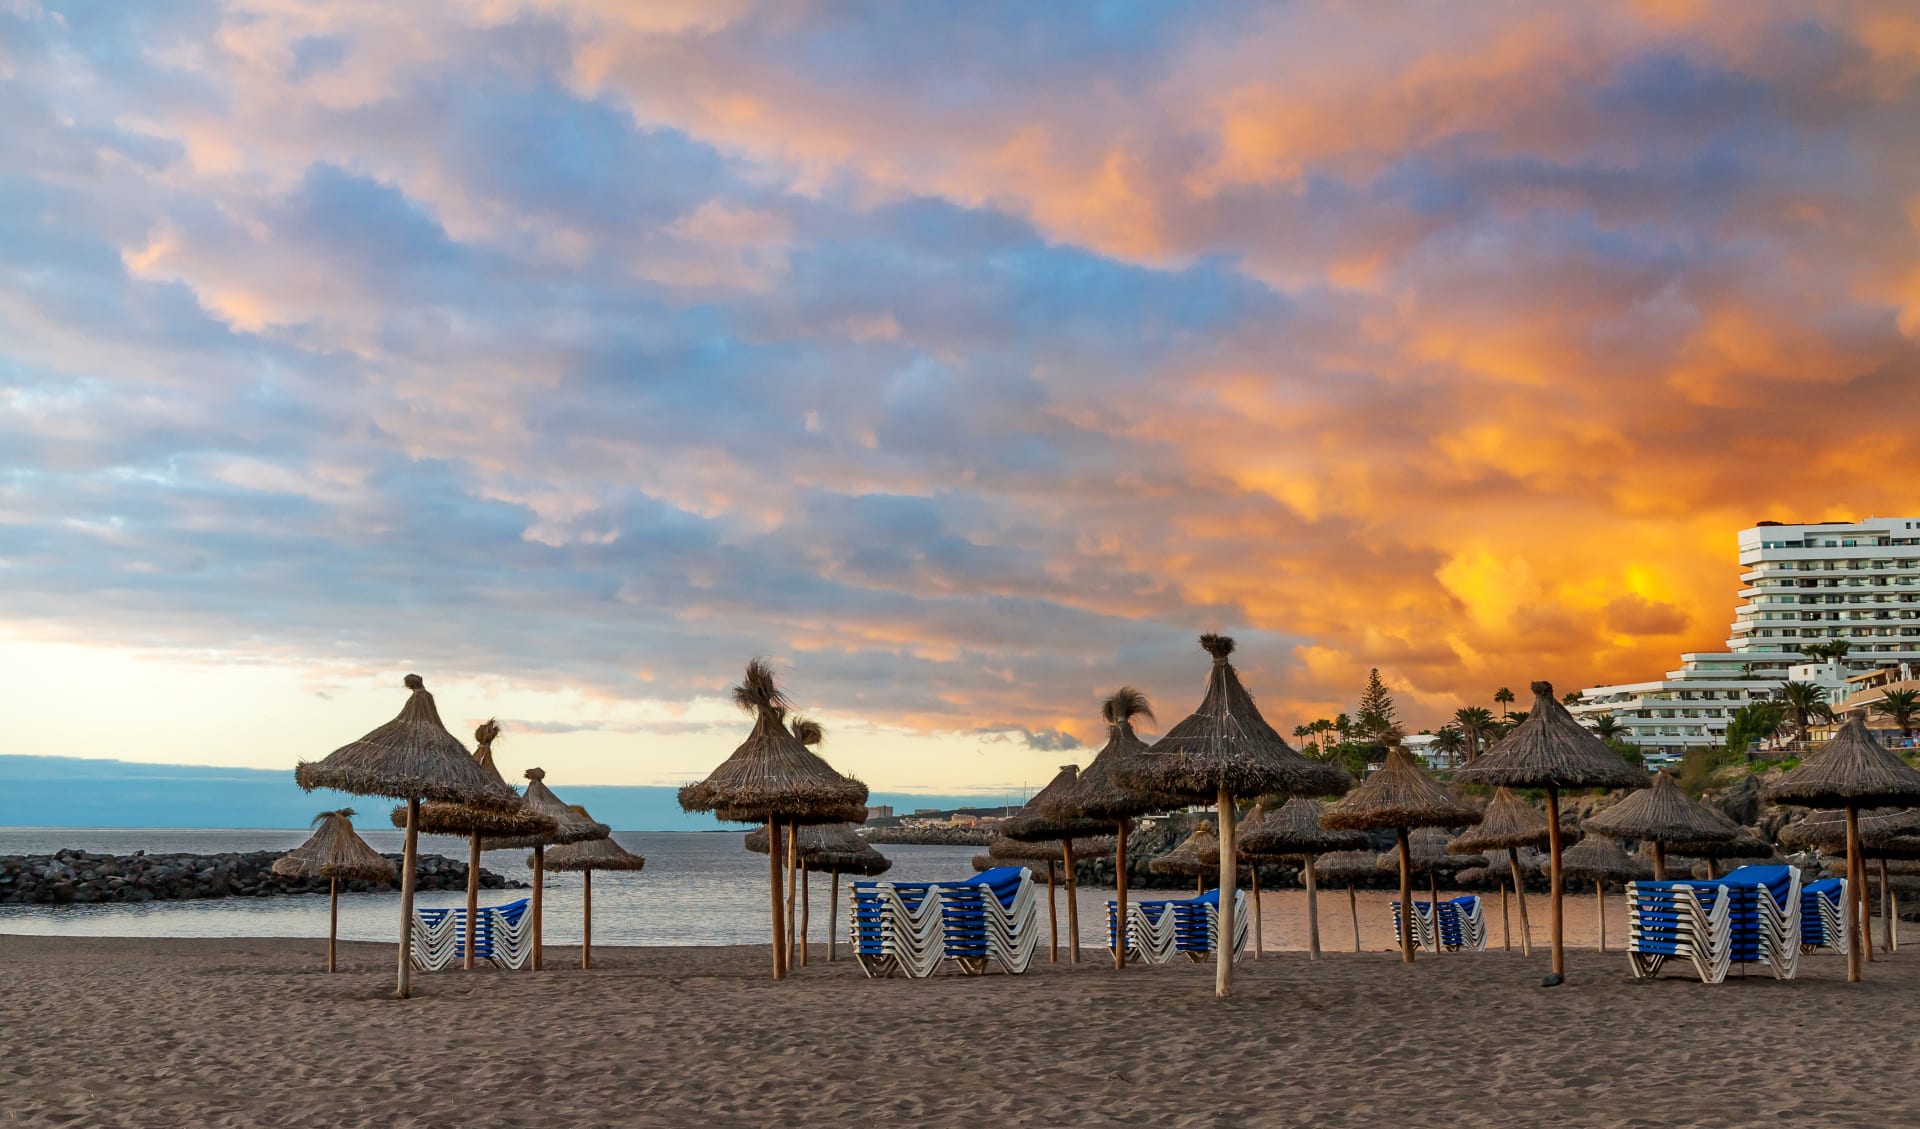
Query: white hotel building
(1802, 584)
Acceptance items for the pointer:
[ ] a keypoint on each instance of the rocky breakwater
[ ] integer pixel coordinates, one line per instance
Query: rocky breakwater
(932, 836)
(80, 877)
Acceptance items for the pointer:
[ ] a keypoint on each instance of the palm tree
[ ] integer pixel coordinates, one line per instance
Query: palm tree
(1475, 723)
(1837, 649)
(1805, 703)
(1570, 698)
(1504, 698)
(1300, 734)
(1322, 727)
(1343, 725)
(1607, 727)
(1817, 652)
(1900, 707)
(1451, 741)
(1513, 720)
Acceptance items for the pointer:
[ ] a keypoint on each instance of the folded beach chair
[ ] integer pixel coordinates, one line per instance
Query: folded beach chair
(1462, 924)
(1823, 915)
(911, 927)
(1749, 915)
(1150, 939)
(502, 935)
(1162, 928)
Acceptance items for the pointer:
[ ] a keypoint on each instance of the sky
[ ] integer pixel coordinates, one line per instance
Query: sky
(967, 360)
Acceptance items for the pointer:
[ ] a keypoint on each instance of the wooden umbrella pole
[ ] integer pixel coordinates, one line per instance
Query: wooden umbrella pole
(1120, 897)
(409, 862)
(1353, 907)
(806, 892)
(1433, 906)
(539, 904)
(1866, 909)
(1229, 875)
(1659, 861)
(1053, 920)
(473, 896)
(1520, 896)
(333, 917)
(1600, 912)
(1886, 910)
(773, 886)
(1200, 883)
(1073, 901)
(1506, 922)
(1554, 887)
(586, 919)
(1313, 914)
(1856, 872)
(793, 886)
(1406, 897)
(1253, 891)
(833, 917)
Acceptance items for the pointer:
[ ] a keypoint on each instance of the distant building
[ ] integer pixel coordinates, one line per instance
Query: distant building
(879, 811)
(1804, 583)
(1421, 746)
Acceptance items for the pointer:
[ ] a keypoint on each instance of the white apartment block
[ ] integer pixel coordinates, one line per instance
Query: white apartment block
(1802, 584)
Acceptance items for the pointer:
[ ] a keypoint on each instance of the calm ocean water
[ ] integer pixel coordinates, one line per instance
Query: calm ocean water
(697, 889)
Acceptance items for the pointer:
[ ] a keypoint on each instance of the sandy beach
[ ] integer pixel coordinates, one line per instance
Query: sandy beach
(106, 1032)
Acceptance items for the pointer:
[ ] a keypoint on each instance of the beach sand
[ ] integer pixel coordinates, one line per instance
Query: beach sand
(113, 1032)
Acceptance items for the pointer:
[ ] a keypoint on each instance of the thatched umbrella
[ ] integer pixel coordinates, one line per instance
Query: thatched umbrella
(1225, 750)
(1294, 831)
(1099, 795)
(833, 847)
(334, 852)
(1852, 771)
(1184, 858)
(1596, 858)
(1032, 824)
(411, 758)
(569, 827)
(1663, 815)
(1890, 833)
(587, 856)
(1428, 853)
(1399, 795)
(1553, 751)
(774, 778)
(1348, 867)
(1508, 824)
(515, 820)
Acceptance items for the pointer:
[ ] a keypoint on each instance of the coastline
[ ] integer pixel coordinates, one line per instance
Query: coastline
(249, 1032)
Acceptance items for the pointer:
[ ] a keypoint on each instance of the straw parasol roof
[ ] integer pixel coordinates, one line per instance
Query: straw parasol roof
(569, 825)
(1008, 851)
(773, 773)
(830, 846)
(412, 757)
(1597, 858)
(1665, 814)
(1294, 829)
(1099, 794)
(1185, 857)
(1826, 828)
(591, 854)
(1398, 794)
(335, 851)
(1226, 744)
(1032, 822)
(1428, 850)
(515, 820)
(1852, 769)
(1345, 866)
(1551, 748)
(1508, 823)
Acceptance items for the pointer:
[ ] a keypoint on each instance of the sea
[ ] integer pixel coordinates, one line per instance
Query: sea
(698, 888)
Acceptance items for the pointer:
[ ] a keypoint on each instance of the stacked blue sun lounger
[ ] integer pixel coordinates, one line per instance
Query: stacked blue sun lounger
(502, 935)
(1462, 924)
(912, 927)
(1747, 916)
(1823, 915)
(1161, 928)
